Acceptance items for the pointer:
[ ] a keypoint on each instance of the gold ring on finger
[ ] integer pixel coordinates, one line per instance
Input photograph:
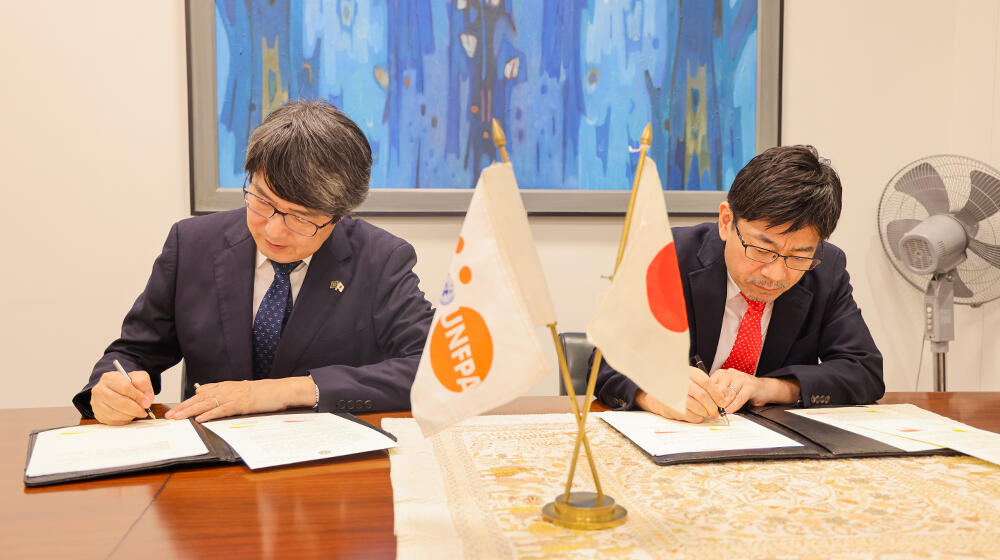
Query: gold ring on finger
(217, 403)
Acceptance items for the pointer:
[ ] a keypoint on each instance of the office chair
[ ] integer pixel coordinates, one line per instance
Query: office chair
(577, 351)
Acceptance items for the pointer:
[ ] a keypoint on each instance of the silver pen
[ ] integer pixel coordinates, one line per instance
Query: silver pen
(119, 367)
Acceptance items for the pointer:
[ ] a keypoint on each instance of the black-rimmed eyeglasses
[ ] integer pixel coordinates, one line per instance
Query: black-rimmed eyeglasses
(297, 224)
(767, 256)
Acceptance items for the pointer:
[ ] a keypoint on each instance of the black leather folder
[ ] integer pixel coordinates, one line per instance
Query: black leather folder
(219, 452)
(819, 441)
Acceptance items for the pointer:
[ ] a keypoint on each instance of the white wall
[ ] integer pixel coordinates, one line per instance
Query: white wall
(94, 141)
(874, 86)
(94, 160)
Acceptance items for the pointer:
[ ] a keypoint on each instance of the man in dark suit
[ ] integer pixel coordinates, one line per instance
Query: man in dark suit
(769, 301)
(288, 302)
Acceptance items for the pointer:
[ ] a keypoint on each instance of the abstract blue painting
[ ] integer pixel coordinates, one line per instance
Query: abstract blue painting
(572, 82)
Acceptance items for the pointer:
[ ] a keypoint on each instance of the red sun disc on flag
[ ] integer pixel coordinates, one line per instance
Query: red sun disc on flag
(664, 292)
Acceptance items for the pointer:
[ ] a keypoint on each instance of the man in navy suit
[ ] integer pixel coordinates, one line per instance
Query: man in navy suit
(769, 301)
(288, 302)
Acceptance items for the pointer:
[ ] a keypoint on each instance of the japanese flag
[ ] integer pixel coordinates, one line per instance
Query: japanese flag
(482, 350)
(641, 326)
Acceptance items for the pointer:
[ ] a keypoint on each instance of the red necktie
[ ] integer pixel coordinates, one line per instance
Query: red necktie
(746, 349)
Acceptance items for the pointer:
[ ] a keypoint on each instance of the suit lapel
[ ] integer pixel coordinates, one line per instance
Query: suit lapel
(708, 292)
(234, 285)
(316, 300)
(786, 319)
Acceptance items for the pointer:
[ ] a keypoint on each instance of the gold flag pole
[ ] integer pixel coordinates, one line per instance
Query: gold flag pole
(568, 514)
(646, 140)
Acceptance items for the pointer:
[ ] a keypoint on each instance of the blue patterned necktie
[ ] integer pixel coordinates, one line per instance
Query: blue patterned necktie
(271, 318)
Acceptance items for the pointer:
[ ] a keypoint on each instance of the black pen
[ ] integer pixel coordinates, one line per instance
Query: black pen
(119, 367)
(701, 365)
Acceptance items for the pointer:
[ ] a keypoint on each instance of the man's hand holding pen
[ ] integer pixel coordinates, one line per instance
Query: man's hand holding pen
(740, 388)
(703, 400)
(722, 393)
(117, 401)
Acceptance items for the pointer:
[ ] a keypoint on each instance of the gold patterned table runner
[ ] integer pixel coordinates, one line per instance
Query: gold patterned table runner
(476, 491)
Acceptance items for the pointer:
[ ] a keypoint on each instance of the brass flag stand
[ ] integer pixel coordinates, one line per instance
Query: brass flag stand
(584, 510)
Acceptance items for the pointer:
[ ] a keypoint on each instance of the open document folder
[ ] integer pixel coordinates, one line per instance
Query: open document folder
(911, 427)
(96, 450)
(768, 432)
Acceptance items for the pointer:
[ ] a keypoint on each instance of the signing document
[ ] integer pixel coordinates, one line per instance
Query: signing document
(658, 436)
(268, 441)
(960, 437)
(921, 427)
(98, 446)
(866, 420)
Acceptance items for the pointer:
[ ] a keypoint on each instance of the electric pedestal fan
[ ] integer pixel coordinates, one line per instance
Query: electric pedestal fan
(939, 226)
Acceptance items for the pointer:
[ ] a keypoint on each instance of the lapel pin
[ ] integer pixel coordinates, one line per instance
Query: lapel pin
(337, 285)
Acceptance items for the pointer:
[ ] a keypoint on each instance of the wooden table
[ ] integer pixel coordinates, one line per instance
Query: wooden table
(338, 508)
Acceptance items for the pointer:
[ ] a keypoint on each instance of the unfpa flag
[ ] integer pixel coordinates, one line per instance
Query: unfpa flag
(641, 326)
(482, 350)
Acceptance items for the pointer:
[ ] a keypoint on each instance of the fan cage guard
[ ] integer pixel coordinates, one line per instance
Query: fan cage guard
(981, 277)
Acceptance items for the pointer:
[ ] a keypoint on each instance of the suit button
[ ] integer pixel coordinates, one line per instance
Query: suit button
(368, 404)
(812, 399)
(620, 403)
(350, 405)
(340, 404)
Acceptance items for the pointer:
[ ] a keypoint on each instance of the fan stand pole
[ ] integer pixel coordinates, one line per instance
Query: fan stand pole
(939, 371)
(939, 325)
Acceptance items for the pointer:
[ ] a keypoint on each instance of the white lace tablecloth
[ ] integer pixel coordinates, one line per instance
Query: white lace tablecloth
(476, 491)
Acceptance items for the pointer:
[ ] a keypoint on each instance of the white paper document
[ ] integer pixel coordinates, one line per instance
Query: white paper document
(268, 441)
(97, 446)
(965, 439)
(659, 436)
(874, 421)
(936, 431)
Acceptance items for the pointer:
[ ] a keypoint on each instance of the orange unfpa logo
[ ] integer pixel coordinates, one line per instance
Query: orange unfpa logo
(461, 350)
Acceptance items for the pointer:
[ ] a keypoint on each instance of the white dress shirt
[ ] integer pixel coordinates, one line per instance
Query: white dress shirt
(736, 306)
(264, 275)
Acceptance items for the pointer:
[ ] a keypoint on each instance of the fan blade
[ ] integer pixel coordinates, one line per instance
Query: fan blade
(961, 290)
(895, 230)
(984, 199)
(989, 253)
(924, 184)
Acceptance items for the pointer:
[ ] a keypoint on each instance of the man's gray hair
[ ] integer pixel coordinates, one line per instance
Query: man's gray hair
(312, 155)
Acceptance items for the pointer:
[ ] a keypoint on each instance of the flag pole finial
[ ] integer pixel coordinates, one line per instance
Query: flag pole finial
(500, 140)
(645, 141)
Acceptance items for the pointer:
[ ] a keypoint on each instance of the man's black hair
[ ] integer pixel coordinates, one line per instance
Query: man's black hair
(311, 154)
(788, 185)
